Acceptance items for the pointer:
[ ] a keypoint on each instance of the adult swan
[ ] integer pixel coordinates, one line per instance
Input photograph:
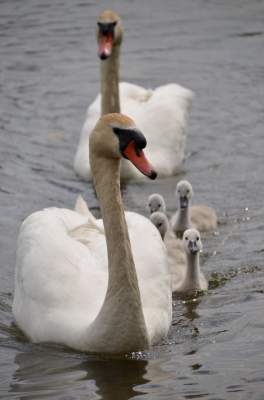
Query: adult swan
(79, 287)
(161, 113)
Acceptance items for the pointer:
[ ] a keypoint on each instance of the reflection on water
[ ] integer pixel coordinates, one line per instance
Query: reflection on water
(46, 372)
(49, 74)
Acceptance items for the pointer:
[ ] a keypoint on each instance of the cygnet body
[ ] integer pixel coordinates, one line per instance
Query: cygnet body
(193, 278)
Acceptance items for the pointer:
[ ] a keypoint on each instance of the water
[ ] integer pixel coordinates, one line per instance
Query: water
(49, 74)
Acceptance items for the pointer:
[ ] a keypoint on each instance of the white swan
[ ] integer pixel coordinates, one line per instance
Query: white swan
(190, 277)
(201, 217)
(79, 287)
(161, 113)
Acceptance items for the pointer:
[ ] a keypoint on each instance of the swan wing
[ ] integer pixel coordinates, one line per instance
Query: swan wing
(60, 283)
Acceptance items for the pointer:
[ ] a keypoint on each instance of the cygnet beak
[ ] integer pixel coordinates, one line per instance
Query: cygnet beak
(183, 201)
(192, 246)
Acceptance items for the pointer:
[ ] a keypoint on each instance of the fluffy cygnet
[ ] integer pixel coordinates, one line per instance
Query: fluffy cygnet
(183, 256)
(160, 220)
(201, 217)
(156, 203)
(193, 279)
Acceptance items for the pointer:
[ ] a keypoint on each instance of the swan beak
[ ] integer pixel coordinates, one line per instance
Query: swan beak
(183, 202)
(192, 245)
(138, 158)
(105, 46)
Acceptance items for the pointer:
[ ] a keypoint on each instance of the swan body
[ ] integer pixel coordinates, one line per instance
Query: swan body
(61, 279)
(77, 281)
(161, 113)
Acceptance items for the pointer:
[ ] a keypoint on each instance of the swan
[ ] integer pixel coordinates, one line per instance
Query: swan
(183, 256)
(192, 278)
(175, 250)
(201, 217)
(160, 220)
(95, 290)
(155, 203)
(163, 110)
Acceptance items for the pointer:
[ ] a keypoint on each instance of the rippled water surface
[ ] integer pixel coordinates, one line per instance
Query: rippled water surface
(49, 75)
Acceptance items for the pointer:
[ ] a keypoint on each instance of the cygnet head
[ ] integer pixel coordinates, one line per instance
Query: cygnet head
(109, 33)
(184, 193)
(160, 221)
(156, 203)
(192, 241)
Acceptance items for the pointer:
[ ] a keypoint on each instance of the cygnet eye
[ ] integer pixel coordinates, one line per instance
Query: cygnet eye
(188, 191)
(186, 238)
(197, 238)
(159, 205)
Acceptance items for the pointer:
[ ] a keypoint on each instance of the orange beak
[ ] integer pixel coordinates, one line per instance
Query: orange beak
(105, 46)
(137, 157)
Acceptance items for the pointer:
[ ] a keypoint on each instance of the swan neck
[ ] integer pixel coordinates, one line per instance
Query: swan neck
(183, 221)
(121, 321)
(110, 83)
(193, 270)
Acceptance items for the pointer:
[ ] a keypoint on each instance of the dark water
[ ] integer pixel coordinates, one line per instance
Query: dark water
(49, 74)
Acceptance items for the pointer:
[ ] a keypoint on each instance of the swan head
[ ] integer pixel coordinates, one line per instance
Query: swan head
(161, 222)
(156, 202)
(184, 193)
(109, 33)
(192, 241)
(116, 136)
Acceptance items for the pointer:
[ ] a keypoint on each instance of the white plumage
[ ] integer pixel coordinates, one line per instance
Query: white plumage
(161, 114)
(62, 272)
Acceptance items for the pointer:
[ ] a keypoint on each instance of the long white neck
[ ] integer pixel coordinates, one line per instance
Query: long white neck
(110, 83)
(182, 222)
(192, 278)
(120, 324)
